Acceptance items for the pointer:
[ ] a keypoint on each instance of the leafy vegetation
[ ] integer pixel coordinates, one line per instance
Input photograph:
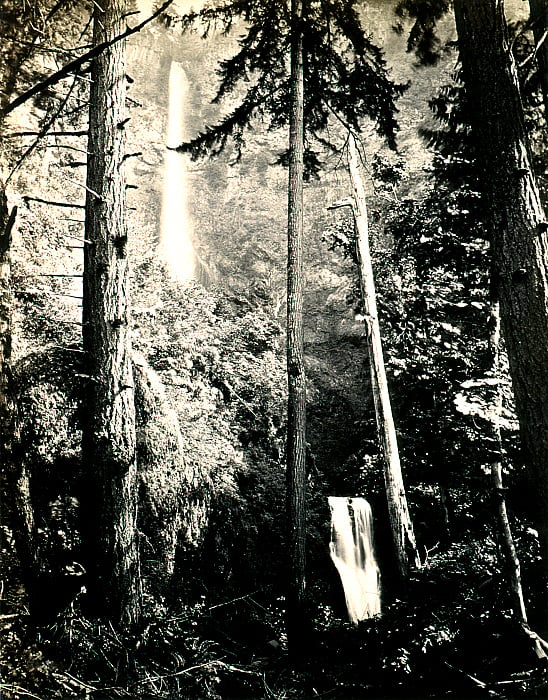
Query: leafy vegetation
(210, 390)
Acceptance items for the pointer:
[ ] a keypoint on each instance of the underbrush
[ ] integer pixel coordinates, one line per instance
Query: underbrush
(448, 636)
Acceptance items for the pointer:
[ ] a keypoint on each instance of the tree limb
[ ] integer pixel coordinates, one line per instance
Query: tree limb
(5, 236)
(73, 66)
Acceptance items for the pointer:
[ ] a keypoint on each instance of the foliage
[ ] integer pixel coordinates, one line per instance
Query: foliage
(224, 374)
(210, 390)
(345, 75)
(423, 39)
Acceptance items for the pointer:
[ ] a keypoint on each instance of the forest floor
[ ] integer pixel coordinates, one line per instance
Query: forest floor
(448, 638)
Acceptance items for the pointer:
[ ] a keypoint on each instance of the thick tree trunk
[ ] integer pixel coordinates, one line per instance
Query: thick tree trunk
(16, 504)
(296, 418)
(109, 500)
(400, 521)
(539, 20)
(520, 238)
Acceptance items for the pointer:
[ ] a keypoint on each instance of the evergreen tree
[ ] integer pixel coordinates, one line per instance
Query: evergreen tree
(345, 75)
(518, 225)
(109, 499)
(335, 73)
(296, 379)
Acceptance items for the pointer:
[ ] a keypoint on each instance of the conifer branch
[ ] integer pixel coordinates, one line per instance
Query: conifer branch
(74, 65)
(43, 131)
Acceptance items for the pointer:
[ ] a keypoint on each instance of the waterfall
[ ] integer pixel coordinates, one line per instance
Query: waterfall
(352, 552)
(176, 228)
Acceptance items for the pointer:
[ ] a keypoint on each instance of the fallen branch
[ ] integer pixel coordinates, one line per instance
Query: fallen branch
(234, 600)
(73, 66)
(17, 689)
(475, 680)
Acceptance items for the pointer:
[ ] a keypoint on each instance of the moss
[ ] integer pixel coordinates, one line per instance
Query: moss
(172, 507)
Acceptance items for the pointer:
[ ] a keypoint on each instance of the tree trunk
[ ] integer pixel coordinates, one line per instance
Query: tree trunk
(17, 510)
(400, 521)
(539, 20)
(296, 418)
(109, 501)
(511, 560)
(520, 238)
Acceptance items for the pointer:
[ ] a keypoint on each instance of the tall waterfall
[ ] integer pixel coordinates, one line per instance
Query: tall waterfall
(352, 552)
(176, 228)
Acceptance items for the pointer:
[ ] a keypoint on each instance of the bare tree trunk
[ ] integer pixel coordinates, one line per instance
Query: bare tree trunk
(539, 20)
(16, 505)
(296, 418)
(109, 502)
(520, 240)
(400, 521)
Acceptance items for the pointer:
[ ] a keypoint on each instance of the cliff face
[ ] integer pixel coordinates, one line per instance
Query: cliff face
(237, 213)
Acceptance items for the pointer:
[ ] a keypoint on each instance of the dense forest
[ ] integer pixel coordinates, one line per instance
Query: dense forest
(273, 349)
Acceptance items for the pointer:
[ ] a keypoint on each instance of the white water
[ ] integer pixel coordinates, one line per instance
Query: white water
(176, 228)
(352, 552)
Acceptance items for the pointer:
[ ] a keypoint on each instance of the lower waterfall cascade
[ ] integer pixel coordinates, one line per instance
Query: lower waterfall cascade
(352, 551)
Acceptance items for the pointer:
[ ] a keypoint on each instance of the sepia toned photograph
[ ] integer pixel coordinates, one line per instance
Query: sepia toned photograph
(273, 349)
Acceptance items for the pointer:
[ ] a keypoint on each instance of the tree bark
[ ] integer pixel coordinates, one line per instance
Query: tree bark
(109, 500)
(539, 20)
(403, 536)
(296, 418)
(520, 230)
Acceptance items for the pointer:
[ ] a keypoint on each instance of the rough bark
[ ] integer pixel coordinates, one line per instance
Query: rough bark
(403, 536)
(16, 504)
(109, 500)
(296, 419)
(539, 20)
(520, 230)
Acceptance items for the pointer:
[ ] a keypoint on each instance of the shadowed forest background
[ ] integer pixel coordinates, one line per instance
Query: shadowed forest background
(149, 531)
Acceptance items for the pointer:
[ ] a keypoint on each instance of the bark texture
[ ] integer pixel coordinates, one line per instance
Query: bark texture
(110, 497)
(296, 418)
(520, 230)
(403, 536)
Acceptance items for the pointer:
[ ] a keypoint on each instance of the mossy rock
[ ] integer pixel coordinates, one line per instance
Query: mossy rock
(172, 501)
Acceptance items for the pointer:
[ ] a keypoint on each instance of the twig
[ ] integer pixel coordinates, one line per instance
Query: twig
(215, 662)
(77, 681)
(234, 600)
(64, 347)
(68, 146)
(73, 66)
(81, 184)
(51, 133)
(41, 49)
(28, 199)
(17, 689)
(43, 131)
